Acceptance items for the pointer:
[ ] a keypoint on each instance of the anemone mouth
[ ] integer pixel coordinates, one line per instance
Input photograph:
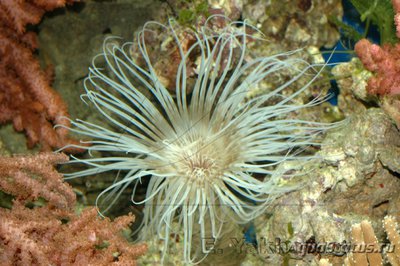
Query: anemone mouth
(201, 154)
(200, 166)
(202, 160)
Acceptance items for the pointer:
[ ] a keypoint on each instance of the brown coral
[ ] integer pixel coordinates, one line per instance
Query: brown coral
(363, 237)
(366, 249)
(16, 14)
(363, 234)
(392, 231)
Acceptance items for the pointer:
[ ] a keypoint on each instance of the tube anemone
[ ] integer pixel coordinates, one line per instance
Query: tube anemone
(201, 146)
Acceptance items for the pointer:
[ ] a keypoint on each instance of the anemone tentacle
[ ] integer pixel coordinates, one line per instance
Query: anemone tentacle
(200, 147)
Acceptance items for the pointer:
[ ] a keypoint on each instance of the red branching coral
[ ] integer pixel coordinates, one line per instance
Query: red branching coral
(26, 97)
(384, 62)
(396, 7)
(54, 234)
(17, 14)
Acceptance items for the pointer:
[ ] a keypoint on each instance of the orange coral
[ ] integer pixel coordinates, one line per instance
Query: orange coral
(54, 234)
(26, 97)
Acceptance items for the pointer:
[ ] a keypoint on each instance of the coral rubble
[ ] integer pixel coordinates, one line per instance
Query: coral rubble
(354, 181)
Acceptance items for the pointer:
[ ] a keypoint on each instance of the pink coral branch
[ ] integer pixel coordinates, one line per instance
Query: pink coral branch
(396, 7)
(16, 180)
(384, 62)
(38, 236)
